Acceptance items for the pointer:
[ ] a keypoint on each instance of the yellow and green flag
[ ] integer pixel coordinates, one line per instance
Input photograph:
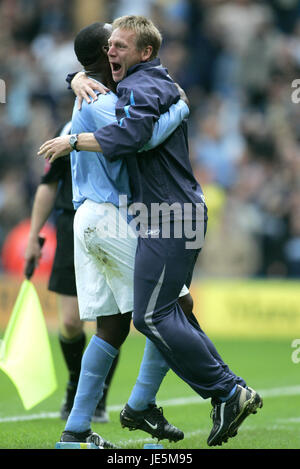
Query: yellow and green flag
(25, 353)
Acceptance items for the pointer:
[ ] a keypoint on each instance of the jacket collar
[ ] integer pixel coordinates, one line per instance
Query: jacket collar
(143, 65)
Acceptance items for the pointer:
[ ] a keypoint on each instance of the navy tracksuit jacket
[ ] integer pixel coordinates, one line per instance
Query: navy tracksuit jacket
(164, 264)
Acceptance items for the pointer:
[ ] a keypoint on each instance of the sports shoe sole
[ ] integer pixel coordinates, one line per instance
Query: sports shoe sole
(131, 427)
(171, 440)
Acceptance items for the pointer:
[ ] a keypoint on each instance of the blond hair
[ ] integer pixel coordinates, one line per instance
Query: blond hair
(147, 33)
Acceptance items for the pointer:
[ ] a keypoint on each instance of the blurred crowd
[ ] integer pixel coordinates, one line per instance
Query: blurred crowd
(236, 60)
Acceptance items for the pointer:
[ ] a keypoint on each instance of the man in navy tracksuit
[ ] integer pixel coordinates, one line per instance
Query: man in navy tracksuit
(165, 263)
(169, 240)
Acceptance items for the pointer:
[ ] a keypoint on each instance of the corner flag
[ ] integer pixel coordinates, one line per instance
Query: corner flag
(25, 353)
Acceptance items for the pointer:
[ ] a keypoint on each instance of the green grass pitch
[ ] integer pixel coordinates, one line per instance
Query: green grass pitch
(266, 365)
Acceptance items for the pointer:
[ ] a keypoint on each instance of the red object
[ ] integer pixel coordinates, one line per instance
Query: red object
(14, 247)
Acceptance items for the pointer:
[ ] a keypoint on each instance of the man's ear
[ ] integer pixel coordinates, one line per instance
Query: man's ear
(147, 52)
(105, 49)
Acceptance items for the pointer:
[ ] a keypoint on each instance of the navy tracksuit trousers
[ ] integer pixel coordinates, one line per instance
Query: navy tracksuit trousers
(162, 267)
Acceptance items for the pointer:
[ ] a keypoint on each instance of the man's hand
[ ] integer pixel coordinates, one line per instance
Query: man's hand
(33, 254)
(183, 96)
(55, 148)
(85, 87)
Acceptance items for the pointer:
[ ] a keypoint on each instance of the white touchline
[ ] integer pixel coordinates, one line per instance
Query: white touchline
(265, 393)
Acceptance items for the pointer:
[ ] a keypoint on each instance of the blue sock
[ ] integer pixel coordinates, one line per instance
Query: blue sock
(224, 399)
(96, 363)
(152, 371)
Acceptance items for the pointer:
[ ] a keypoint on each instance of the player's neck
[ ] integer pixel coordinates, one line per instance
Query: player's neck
(102, 77)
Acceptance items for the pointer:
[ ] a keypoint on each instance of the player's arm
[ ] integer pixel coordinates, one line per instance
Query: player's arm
(167, 124)
(60, 146)
(42, 206)
(162, 129)
(137, 110)
(104, 114)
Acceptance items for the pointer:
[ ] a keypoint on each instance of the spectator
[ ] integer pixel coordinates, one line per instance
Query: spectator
(236, 60)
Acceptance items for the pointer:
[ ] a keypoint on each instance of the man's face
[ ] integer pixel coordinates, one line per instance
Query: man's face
(123, 54)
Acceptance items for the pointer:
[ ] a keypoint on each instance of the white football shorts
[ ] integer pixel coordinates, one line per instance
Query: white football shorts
(104, 254)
